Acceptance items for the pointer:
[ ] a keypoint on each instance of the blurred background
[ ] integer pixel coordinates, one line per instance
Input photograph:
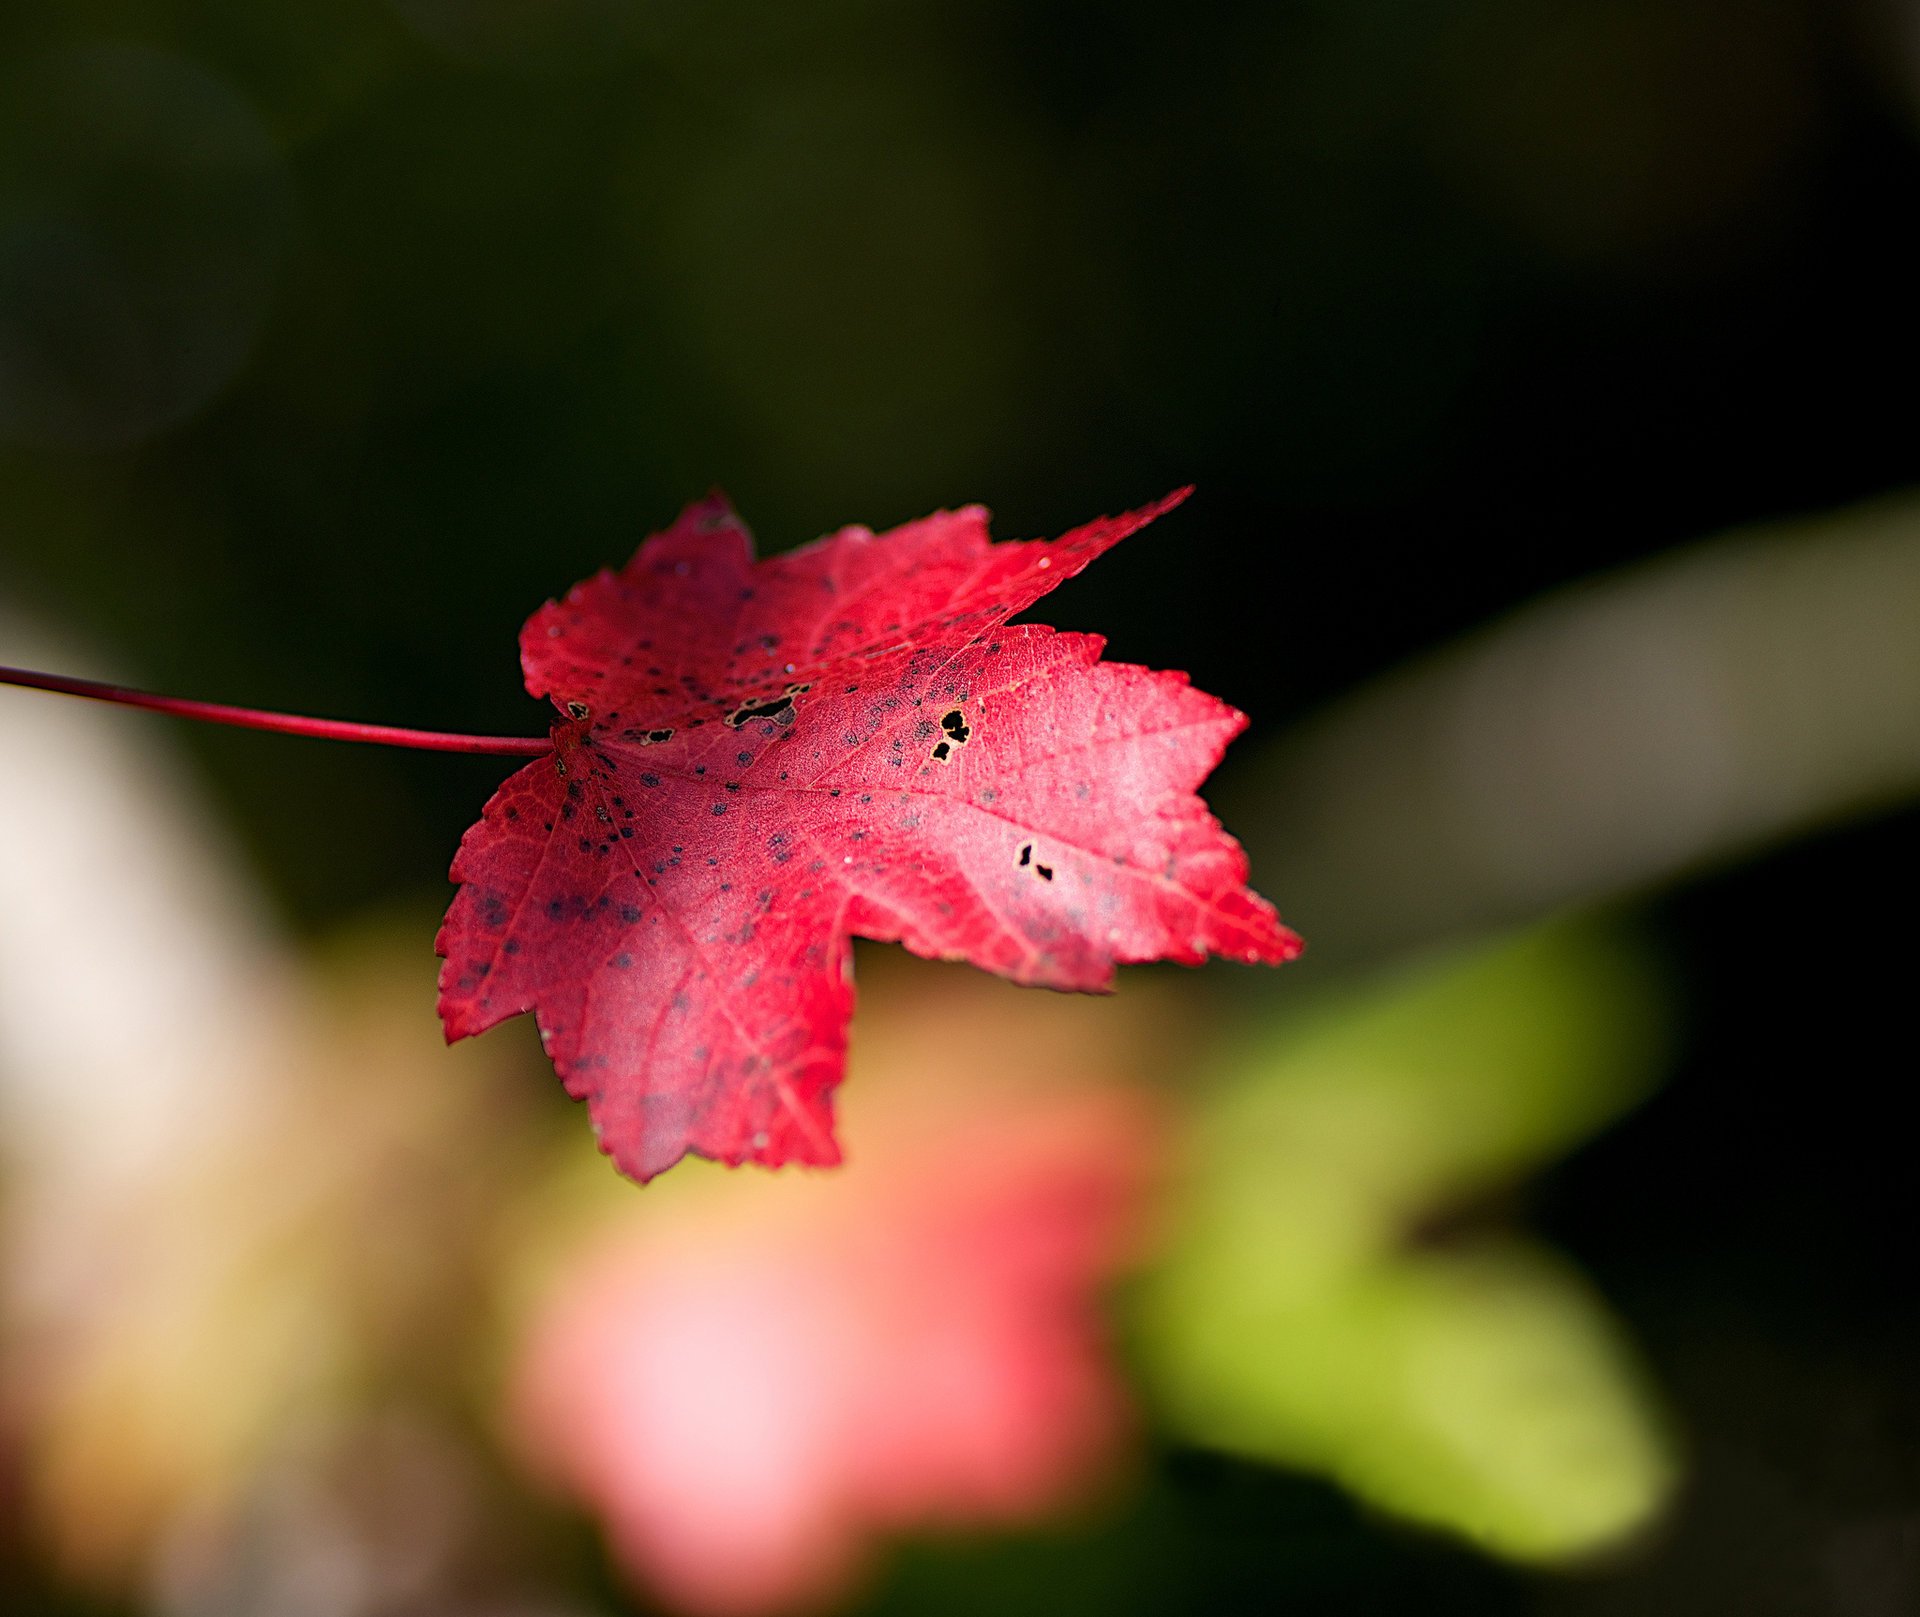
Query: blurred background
(1540, 1243)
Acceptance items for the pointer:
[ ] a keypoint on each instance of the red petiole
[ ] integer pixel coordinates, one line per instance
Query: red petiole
(248, 718)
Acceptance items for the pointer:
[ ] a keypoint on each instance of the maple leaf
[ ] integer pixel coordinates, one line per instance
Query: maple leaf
(757, 762)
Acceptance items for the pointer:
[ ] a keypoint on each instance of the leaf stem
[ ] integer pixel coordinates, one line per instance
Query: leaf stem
(248, 718)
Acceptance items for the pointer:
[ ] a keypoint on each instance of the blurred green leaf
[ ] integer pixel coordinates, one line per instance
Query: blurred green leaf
(1306, 1315)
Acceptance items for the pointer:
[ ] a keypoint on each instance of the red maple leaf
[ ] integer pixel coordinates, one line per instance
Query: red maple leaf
(758, 762)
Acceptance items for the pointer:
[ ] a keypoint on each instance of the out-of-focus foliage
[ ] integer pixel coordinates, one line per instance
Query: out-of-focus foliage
(1316, 1308)
(1607, 739)
(752, 1379)
(327, 1261)
(247, 1204)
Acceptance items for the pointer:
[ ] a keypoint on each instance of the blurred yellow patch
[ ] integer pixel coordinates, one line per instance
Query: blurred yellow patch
(327, 1257)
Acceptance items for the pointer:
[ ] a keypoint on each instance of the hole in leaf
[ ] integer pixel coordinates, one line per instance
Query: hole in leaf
(777, 708)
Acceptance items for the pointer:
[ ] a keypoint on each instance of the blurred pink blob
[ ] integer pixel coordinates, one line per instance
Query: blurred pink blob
(750, 1385)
